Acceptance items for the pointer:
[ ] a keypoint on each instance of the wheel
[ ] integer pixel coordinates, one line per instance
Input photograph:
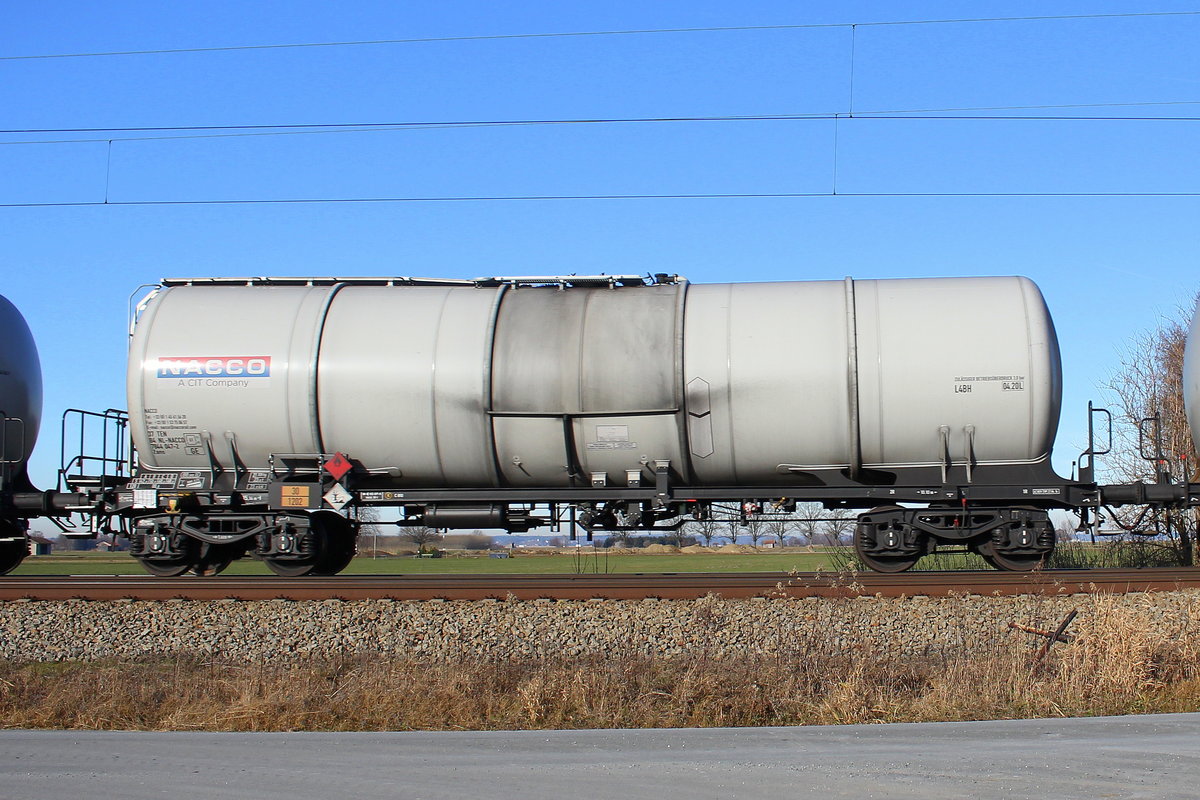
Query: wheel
(333, 548)
(290, 569)
(208, 568)
(888, 563)
(1020, 563)
(1015, 562)
(174, 565)
(880, 563)
(14, 552)
(166, 568)
(339, 542)
(213, 560)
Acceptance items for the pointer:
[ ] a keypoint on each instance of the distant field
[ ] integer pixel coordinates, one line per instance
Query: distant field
(124, 564)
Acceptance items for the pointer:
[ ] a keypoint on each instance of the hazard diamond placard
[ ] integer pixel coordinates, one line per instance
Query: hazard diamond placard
(338, 497)
(338, 466)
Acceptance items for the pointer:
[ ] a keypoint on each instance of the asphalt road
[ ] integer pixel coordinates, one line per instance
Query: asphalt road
(1105, 757)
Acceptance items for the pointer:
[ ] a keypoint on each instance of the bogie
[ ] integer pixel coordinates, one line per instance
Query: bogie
(893, 539)
(886, 542)
(162, 551)
(321, 544)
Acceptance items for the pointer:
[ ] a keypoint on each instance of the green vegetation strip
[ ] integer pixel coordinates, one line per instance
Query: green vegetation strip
(1072, 555)
(123, 564)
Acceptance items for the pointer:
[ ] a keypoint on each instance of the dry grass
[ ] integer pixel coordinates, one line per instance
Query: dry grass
(1118, 664)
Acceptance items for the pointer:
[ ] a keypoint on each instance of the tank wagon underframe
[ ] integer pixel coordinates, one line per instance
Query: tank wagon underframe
(290, 521)
(293, 527)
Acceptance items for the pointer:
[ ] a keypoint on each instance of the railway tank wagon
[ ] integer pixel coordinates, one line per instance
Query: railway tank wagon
(261, 407)
(1191, 376)
(20, 419)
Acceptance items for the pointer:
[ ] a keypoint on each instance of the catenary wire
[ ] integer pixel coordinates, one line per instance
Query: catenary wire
(630, 32)
(517, 198)
(351, 127)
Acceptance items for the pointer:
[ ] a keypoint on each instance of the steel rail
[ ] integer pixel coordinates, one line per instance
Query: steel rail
(670, 586)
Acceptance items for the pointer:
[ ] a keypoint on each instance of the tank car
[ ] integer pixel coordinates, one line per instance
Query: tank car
(262, 408)
(266, 411)
(20, 418)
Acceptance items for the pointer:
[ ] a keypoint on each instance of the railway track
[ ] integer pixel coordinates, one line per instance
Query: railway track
(673, 586)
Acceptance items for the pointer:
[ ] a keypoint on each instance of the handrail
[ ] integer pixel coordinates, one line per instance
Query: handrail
(115, 456)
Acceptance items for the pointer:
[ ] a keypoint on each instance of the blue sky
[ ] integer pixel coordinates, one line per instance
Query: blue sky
(1109, 266)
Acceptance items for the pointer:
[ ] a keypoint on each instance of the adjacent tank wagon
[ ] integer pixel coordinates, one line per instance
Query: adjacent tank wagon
(20, 419)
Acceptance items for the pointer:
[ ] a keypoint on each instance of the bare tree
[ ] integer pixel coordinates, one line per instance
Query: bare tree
(421, 536)
(1064, 531)
(705, 529)
(755, 527)
(677, 536)
(1148, 384)
(617, 536)
(808, 521)
(838, 523)
(368, 518)
(778, 528)
(717, 525)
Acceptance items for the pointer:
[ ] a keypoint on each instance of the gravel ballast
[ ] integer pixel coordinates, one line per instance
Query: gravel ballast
(279, 630)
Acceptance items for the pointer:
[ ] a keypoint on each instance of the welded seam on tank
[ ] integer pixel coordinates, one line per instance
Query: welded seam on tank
(1030, 383)
(314, 402)
(570, 440)
(309, 383)
(584, 319)
(433, 387)
(855, 460)
(733, 462)
(489, 420)
(880, 387)
(687, 469)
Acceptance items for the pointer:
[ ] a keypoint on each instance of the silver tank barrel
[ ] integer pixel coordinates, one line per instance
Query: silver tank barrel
(510, 384)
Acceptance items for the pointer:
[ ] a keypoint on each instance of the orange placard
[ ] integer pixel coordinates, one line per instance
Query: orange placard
(293, 496)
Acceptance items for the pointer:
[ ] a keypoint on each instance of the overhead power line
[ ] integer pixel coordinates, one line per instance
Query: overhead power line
(517, 198)
(631, 32)
(425, 123)
(349, 127)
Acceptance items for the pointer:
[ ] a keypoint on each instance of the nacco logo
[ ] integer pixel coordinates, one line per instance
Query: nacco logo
(215, 367)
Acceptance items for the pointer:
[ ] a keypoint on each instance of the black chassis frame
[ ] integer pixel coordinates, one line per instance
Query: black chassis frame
(1042, 495)
(230, 496)
(952, 513)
